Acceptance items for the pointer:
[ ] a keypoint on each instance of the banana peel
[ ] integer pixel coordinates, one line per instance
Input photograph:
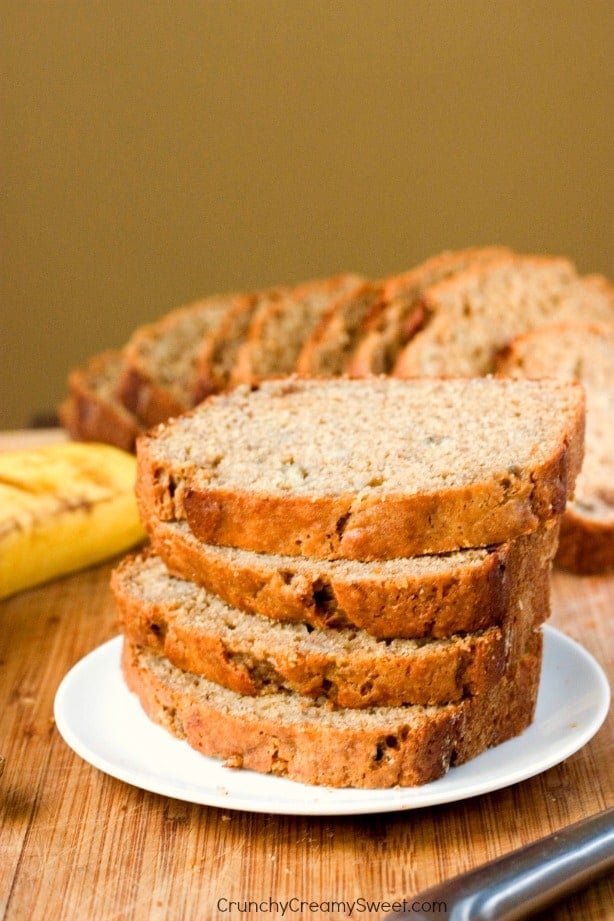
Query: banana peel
(64, 507)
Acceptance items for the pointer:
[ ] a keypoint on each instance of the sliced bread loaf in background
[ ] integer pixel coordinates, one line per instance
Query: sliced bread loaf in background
(160, 359)
(280, 327)
(217, 351)
(451, 314)
(328, 351)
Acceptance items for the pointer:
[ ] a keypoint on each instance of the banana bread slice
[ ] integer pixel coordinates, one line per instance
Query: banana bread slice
(581, 351)
(328, 350)
(92, 410)
(254, 655)
(475, 313)
(399, 313)
(411, 597)
(308, 740)
(160, 359)
(366, 469)
(217, 353)
(279, 328)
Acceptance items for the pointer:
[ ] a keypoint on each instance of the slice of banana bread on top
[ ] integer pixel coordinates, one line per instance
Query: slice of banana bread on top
(366, 469)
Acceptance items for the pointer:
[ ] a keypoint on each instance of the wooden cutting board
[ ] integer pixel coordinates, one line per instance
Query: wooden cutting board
(76, 844)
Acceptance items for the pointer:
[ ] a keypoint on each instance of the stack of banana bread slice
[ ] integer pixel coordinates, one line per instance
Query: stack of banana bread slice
(346, 579)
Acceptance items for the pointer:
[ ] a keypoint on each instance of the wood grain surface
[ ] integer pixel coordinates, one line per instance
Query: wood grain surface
(77, 845)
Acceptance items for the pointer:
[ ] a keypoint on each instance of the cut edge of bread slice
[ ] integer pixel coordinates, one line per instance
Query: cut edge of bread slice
(410, 597)
(160, 359)
(279, 328)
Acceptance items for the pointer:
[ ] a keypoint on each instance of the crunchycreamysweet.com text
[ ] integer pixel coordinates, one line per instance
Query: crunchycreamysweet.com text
(345, 908)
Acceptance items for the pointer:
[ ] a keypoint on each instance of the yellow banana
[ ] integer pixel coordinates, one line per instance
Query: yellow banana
(64, 507)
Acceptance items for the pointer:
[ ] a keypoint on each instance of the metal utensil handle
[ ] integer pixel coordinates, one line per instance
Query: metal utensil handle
(524, 881)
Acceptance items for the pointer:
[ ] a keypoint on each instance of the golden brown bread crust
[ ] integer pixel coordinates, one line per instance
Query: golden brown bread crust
(86, 419)
(297, 739)
(509, 579)
(335, 527)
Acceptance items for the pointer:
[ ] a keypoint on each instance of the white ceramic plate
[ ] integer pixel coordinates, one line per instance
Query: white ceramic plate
(104, 724)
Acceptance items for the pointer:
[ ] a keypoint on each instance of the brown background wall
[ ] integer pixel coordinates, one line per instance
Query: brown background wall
(153, 152)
